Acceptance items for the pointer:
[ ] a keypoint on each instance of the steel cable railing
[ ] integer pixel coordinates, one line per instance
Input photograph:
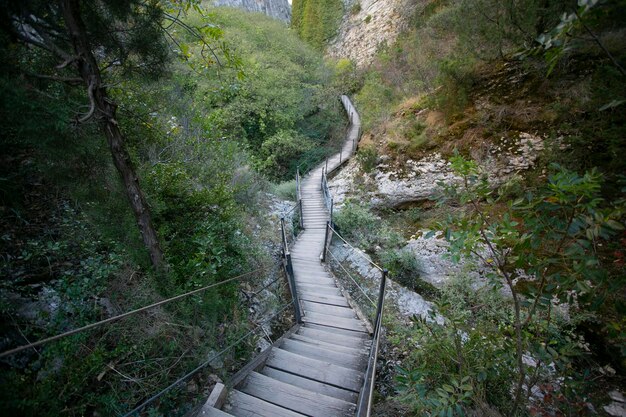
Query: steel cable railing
(357, 290)
(263, 288)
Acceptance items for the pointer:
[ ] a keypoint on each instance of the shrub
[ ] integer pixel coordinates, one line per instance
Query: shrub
(357, 224)
(280, 151)
(367, 156)
(286, 190)
(405, 269)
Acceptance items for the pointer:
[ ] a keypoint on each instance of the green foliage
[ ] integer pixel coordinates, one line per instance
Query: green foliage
(286, 190)
(544, 249)
(347, 78)
(316, 21)
(357, 224)
(557, 43)
(455, 79)
(367, 157)
(286, 92)
(280, 152)
(405, 269)
(375, 100)
(465, 361)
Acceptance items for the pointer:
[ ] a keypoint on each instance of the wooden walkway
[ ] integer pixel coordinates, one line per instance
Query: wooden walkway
(318, 369)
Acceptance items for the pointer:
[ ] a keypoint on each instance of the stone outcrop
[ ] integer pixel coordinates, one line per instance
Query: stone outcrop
(368, 24)
(416, 181)
(278, 9)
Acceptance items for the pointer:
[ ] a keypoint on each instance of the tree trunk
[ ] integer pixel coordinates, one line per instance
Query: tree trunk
(105, 111)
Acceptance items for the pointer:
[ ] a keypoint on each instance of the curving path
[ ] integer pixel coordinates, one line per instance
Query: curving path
(318, 369)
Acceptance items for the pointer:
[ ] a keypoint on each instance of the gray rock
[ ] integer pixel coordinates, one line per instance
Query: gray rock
(278, 9)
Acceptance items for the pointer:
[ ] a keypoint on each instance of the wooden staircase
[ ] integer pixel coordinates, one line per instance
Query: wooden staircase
(318, 369)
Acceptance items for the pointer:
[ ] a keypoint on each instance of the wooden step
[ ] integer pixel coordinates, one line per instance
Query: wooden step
(321, 289)
(328, 309)
(334, 322)
(336, 330)
(311, 385)
(332, 338)
(314, 281)
(362, 351)
(212, 412)
(243, 405)
(346, 360)
(295, 398)
(322, 371)
(324, 299)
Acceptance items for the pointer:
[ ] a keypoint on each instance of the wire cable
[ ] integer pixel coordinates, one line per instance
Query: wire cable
(357, 250)
(124, 315)
(202, 365)
(353, 280)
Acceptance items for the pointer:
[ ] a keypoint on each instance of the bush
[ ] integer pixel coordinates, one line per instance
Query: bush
(316, 21)
(464, 363)
(346, 78)
(367, 156)
(286, 190)
(405, 269)
(357, 224)
(280, 152)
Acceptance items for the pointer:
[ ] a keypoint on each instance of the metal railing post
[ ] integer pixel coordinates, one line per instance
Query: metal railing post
(331, 211)
(289, 271)
(301, 215)
(364, 404)
(326, 166)
(381, 301)
(294, 292)
(340, 151)
(325, 242)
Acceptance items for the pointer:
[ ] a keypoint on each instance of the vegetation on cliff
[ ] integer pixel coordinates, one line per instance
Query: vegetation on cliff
(546, 335)
(208, 121)
(316, 21)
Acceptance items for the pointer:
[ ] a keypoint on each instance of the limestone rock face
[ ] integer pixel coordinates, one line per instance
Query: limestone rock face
(368, 24)
(278, 9)
(416, 181)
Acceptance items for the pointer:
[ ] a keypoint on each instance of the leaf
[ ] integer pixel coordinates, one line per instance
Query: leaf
(612, 105)
(614, 225)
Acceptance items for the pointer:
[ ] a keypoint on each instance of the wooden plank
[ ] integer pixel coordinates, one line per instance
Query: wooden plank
(335, 322)
(217, 397)
(322, 371)
(295, 398)
(244, 405)
(328, 309)
(321, 289)
(353, 350)
(311, 385)
(324, 299)
(259, 361)
(333, 338)
(346, 360)
(343, 332)
(316, 281)
(212, 412)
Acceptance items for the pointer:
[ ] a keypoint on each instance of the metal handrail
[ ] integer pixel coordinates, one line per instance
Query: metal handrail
(288, 265)
(366, 393)
(365, 397)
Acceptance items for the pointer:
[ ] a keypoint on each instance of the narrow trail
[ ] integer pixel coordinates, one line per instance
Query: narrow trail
(317, 369)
